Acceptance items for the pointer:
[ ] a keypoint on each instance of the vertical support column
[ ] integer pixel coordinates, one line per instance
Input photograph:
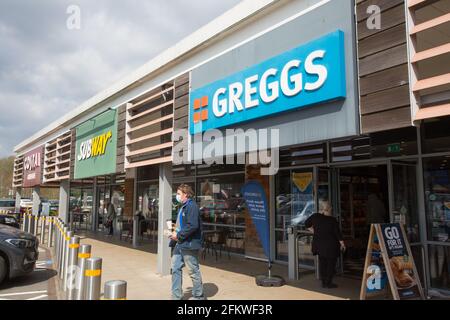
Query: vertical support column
(18, 198)
(35, 209)
(64, 201)
(36, 200)
(164, 213)
(94, 213)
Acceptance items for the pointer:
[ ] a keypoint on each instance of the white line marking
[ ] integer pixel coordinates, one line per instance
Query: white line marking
(38, 297)
(21, 293)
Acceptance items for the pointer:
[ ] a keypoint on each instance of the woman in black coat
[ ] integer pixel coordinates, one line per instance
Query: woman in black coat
(327, 242)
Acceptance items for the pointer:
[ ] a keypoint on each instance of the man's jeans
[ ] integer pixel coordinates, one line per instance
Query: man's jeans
(180, 258)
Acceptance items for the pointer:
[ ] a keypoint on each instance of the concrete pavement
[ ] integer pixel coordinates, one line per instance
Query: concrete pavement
(227, 279)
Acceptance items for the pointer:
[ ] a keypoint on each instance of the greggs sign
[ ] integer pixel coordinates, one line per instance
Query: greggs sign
(307, 75)
(94, 147)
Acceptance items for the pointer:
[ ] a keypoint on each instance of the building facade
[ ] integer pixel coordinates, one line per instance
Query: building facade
(355, 95)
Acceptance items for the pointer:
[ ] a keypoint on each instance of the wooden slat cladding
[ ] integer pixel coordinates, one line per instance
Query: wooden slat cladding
(73, 133)
(181, 111)
(121, 124)
(18, 172)
(57, 158)
(429, 43)
(149, 127)
(383, 67)
(129, 196)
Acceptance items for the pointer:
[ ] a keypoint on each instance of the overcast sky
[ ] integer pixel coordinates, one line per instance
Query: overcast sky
(47, 69)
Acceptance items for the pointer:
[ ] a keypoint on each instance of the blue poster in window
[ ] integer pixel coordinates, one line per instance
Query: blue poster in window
(256, 202)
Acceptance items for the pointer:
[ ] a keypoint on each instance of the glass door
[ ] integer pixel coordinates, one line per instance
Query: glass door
(303, 205)
(403, 206)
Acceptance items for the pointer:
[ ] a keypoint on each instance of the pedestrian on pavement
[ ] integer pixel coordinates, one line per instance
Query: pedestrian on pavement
(187, 241)
(110, 217)
(327, 242)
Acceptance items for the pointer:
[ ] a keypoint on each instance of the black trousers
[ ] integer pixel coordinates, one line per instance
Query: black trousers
(327, 269)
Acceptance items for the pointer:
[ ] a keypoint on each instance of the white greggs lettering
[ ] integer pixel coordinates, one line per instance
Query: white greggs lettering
(94, 147)
(290, 83)
(32, 162)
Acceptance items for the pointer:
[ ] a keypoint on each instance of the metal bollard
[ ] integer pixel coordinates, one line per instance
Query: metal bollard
(84, 253)
(66, 257)
(43, 225)
(50, 232)
(70, 279)
(93, 276)
(36, 225)
(115, 290)
(57, 236)
(29, 223)
(62, 252)
(23, 222)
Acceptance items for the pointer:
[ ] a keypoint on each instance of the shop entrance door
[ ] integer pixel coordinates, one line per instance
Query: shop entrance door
(363, 199)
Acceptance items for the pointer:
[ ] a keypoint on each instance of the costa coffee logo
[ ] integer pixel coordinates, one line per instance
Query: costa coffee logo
(32, 161)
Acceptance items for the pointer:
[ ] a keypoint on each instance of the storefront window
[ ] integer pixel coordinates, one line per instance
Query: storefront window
(386, 144)
(222, 210)
(436, 135)
(282, 213)
(437, 198)
(80, 206)
(405, 199)
(294, 204)
(439, 257)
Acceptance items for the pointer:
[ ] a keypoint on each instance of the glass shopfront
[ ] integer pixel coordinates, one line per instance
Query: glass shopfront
(437, 205)
(147, 202)
(89, 200)
(81, 204)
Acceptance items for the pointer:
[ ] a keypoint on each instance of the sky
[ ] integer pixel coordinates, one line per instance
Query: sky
(51, 61)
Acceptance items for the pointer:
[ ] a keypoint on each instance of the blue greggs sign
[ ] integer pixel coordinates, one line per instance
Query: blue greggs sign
(307, 75)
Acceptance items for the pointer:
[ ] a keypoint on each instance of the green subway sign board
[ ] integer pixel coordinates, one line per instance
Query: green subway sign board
(96, 146)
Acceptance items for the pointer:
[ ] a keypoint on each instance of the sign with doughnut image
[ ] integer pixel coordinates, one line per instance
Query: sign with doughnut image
(395, 260)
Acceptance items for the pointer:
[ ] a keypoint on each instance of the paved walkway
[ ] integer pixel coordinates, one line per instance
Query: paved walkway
(227, 279)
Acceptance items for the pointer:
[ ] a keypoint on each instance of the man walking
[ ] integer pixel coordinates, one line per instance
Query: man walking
(187, 238)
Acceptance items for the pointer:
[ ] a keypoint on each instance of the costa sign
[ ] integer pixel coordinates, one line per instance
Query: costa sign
(94, 147)
(32, 167)
(307, 75)
(33, 161)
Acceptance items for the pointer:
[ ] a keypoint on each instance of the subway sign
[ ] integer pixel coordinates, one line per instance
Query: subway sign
(308, 75)
(96, 146)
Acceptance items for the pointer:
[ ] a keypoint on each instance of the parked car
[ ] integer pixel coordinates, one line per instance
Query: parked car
(9, 220)
(18, 252)
(7, 206)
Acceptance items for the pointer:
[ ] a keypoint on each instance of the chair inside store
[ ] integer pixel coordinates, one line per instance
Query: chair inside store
(215, 241)
(126, 230)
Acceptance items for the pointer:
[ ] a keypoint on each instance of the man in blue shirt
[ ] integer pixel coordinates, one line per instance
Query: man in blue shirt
(188, 239)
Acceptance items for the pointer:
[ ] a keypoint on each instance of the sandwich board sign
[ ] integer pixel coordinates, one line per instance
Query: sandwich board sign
(390, 264)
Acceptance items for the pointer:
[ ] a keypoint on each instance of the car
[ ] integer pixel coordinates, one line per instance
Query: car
(18, 252)
(9, 220)
(7, 206)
